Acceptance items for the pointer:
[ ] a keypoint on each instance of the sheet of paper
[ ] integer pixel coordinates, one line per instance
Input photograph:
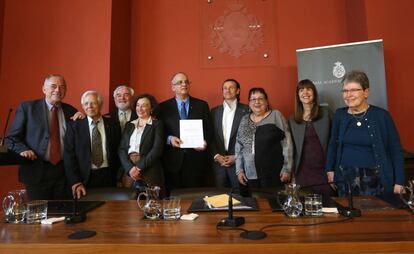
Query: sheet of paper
(191, 133)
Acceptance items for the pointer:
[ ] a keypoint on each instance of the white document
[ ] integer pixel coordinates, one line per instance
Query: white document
(191, 133)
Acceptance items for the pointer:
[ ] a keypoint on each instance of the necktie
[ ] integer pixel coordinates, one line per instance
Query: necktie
(123, 120)
(54, 155)
(97, 153)
(183, 111)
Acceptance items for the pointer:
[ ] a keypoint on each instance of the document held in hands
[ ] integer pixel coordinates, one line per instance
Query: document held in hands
(191, 133)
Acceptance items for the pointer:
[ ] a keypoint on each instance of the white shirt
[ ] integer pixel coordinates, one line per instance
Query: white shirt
(227, 123)
(135, 139)
(101, 128)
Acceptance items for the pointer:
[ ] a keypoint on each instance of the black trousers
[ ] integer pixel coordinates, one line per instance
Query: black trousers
(52, 186)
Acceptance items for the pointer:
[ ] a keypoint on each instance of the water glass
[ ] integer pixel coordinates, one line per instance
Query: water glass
(171, 208)
(36, 211)
(313, 205)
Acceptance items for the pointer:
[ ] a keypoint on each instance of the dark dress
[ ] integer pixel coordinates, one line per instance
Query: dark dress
(312, 166)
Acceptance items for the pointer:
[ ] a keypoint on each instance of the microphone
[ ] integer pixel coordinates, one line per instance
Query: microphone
(232, 221)
(350, 211)
(3, 147)
(76, 216)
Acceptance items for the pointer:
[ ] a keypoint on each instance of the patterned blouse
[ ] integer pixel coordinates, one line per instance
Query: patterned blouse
(275, 129)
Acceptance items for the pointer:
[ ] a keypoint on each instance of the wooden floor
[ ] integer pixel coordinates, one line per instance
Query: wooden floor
(120, 229)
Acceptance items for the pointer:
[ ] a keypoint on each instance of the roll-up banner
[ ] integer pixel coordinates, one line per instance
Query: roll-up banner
(327, 65)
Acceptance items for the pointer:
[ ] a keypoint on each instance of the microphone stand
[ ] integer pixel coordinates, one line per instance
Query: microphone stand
(232, 221)
(76, 216)
(350, 211)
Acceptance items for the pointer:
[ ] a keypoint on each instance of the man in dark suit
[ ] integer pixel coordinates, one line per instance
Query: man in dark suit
(184, 167)
(90, 156)
(123, 97)
(226, 119)
(37, 133)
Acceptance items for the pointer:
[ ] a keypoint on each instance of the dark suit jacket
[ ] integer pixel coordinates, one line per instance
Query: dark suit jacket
(77, 153)
(114, 116)
(150, 149)
(30, 131)
(173, 157)
(217, 146)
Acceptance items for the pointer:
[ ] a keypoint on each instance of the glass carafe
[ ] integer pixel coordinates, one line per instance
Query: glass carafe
(152, 206)
(14, 206)
(291, 203)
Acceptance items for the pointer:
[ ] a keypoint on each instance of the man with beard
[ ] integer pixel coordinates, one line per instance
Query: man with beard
(123, 97)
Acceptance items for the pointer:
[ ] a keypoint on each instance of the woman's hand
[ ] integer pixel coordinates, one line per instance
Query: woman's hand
(398, 189)
(331, 175)
(242, 178)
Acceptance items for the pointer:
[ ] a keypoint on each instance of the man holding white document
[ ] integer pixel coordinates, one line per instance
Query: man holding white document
(188, 131)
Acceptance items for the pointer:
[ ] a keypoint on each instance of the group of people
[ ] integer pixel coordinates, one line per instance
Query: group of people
(251, 146)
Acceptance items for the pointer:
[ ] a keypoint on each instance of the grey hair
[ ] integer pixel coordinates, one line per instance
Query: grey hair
(91, 92)
(131, 90)
(54, 76)
(175, 74)
(358, 77)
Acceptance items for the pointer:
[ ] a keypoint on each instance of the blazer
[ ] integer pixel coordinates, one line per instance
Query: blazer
(173, 157)
(322, 127)
(114, 116)
(217, 146)
(150, 149)
(30, 131)
(385, 140)
(77, 153)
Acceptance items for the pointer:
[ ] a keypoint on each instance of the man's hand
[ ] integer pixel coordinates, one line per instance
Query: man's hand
(29, 154)
(229, 160)
(176, 142)
(199, 149)
(77, 116)
(78, 190)
(220, 159)
(242, 178)
(284, 177)
(135, 173)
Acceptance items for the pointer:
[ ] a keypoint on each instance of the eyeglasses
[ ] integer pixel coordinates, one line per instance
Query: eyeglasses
(182, 82)
(260, 99)
(351, 91)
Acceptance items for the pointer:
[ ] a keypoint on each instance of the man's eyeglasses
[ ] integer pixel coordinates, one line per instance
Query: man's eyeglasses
(182, 82)
(351, 91)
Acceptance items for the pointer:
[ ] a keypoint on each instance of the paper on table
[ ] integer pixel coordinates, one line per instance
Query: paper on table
(191, 133)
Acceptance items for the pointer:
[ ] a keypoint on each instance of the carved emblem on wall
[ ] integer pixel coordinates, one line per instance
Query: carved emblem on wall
(237, 31)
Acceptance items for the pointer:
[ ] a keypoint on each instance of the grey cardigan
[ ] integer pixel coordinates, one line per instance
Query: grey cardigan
(322, 127)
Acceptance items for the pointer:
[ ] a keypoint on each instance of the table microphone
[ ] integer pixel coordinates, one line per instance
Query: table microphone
(350, 211)
(232, 221)
(76, 216)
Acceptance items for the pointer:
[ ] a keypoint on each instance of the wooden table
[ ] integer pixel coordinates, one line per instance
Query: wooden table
(120, 229)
